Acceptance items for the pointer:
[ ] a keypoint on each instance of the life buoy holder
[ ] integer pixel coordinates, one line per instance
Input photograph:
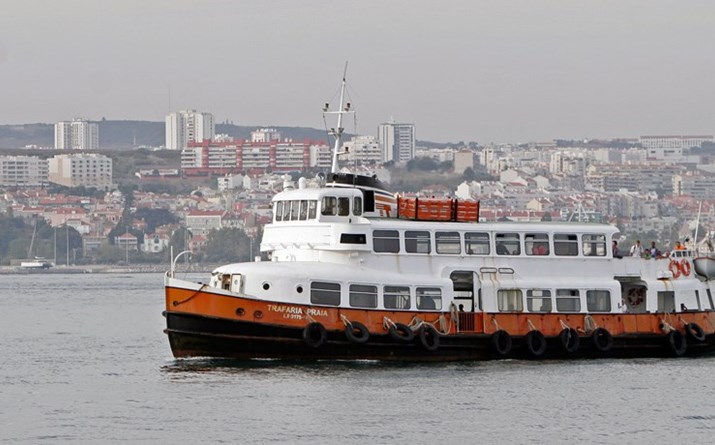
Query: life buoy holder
(501, 342)
(569, 339)
(429, 337)
(535, 343)
(602, 339)
(636, 296)
(694, 331)
(676, 343)
(357, 332)
(674, 268)
(401, 333)
(685, 267)
(314, 334)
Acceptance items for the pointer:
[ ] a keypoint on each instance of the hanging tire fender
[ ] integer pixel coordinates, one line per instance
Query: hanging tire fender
(357, 332)
(602, 339)
(401, 333)
(535, 343)
(501, 342)
(314, 334)
(694, 331)
(569, 340)
(677, 343)
(429, 337)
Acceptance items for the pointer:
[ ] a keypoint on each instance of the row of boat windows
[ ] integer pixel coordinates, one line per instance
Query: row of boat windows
(480, 243)
(307, 209)
(430, 298)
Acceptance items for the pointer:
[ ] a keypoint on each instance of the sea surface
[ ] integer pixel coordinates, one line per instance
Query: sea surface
(83, 359)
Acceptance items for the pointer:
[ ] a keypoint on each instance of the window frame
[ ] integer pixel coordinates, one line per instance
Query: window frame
(446, 239)
(334, 291)
(510, 293)
(568, 243)
(395, 292)
(419, 238)
(563, 298)
(592, 306)
(545, 296)
(424, 291)
(507, 239)
(470, 242)
(384, 237)
(363, 291)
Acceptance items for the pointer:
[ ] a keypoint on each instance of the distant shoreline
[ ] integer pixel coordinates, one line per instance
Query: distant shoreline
(106, 268)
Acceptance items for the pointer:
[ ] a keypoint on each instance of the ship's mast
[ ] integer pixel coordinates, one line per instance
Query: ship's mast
(338, 131)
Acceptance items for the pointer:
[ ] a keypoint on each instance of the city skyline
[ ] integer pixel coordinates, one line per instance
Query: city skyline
(481, 71)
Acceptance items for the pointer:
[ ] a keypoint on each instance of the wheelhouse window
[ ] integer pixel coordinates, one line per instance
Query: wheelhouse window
(538, 300)
(594, 245)
(396, 297)
(417, 241)
(386, 241)
(508, 244)
(303, 210)
(363, 296)
(312, 206)
(325, 293)
(598, 301)
(448, 243)
(565, 244)
(329, 206)
(510, 300)
(536, 243)
(476, 243)
(343, 206)
(568, 300)
(294, 210)
(429, 298)
(278, 210)
(357, 206)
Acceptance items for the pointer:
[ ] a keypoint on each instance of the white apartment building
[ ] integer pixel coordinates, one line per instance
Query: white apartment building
(78, 134)
(700, 187)
(397, 141)
(23, 171)
(185, 127)
(265, 135)
(89, 170)
(364, 149)
(670, 148)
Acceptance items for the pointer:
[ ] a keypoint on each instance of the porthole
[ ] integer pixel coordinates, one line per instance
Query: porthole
(299, 289)
(266, 286)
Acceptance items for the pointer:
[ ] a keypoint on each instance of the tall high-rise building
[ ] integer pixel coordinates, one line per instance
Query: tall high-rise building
(78, 134)
(397, 141)
(188, 126)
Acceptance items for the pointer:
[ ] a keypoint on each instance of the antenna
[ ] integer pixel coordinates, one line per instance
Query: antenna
(338, 130)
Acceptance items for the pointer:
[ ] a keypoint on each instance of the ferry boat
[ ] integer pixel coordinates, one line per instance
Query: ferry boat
(357, 272)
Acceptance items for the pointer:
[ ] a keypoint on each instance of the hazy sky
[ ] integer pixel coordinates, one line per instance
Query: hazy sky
(460, 70)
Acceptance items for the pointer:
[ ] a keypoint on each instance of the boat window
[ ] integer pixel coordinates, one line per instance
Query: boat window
(429, 298)
(278, 210)
(294, 210)
(536, 243)
(344, 206)
(385, 241)
(448, 242)
(325, 293)
(538, 300)
(329, 206)
(396, 297)
(598, 301)
(510, 300)
(303, 210)
(357, 206)
(417, 241)
(508, 244)
(476, 243)
(369, 200)
(363, 296)
(594, 245)
(565, 244)
(568, 300)
(312, 205)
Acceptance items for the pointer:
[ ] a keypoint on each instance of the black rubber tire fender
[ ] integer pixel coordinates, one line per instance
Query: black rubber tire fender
(677, 343)
(501, 342)
(602, 339)
(314, 334)
(695, 332)
(569, 339)
(535, 343)
(429, 337)
(401, 333)
(357, 332)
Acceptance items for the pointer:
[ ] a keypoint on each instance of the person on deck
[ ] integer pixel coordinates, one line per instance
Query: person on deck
(637, 249)
(654, 252)
(614, 249)
(679, 246)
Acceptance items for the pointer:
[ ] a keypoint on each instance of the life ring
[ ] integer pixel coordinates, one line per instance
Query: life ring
(535, 343)
(674, 268)
(685, 267)
(429, 337)
(677, 343)
(501, 342)
(602, 339)
(636, 295)
(695, 332)
(569, 340)
(357, 332)
(314, 334)
(401, 333)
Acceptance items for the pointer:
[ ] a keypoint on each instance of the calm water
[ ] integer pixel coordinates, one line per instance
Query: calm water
(83, 358)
